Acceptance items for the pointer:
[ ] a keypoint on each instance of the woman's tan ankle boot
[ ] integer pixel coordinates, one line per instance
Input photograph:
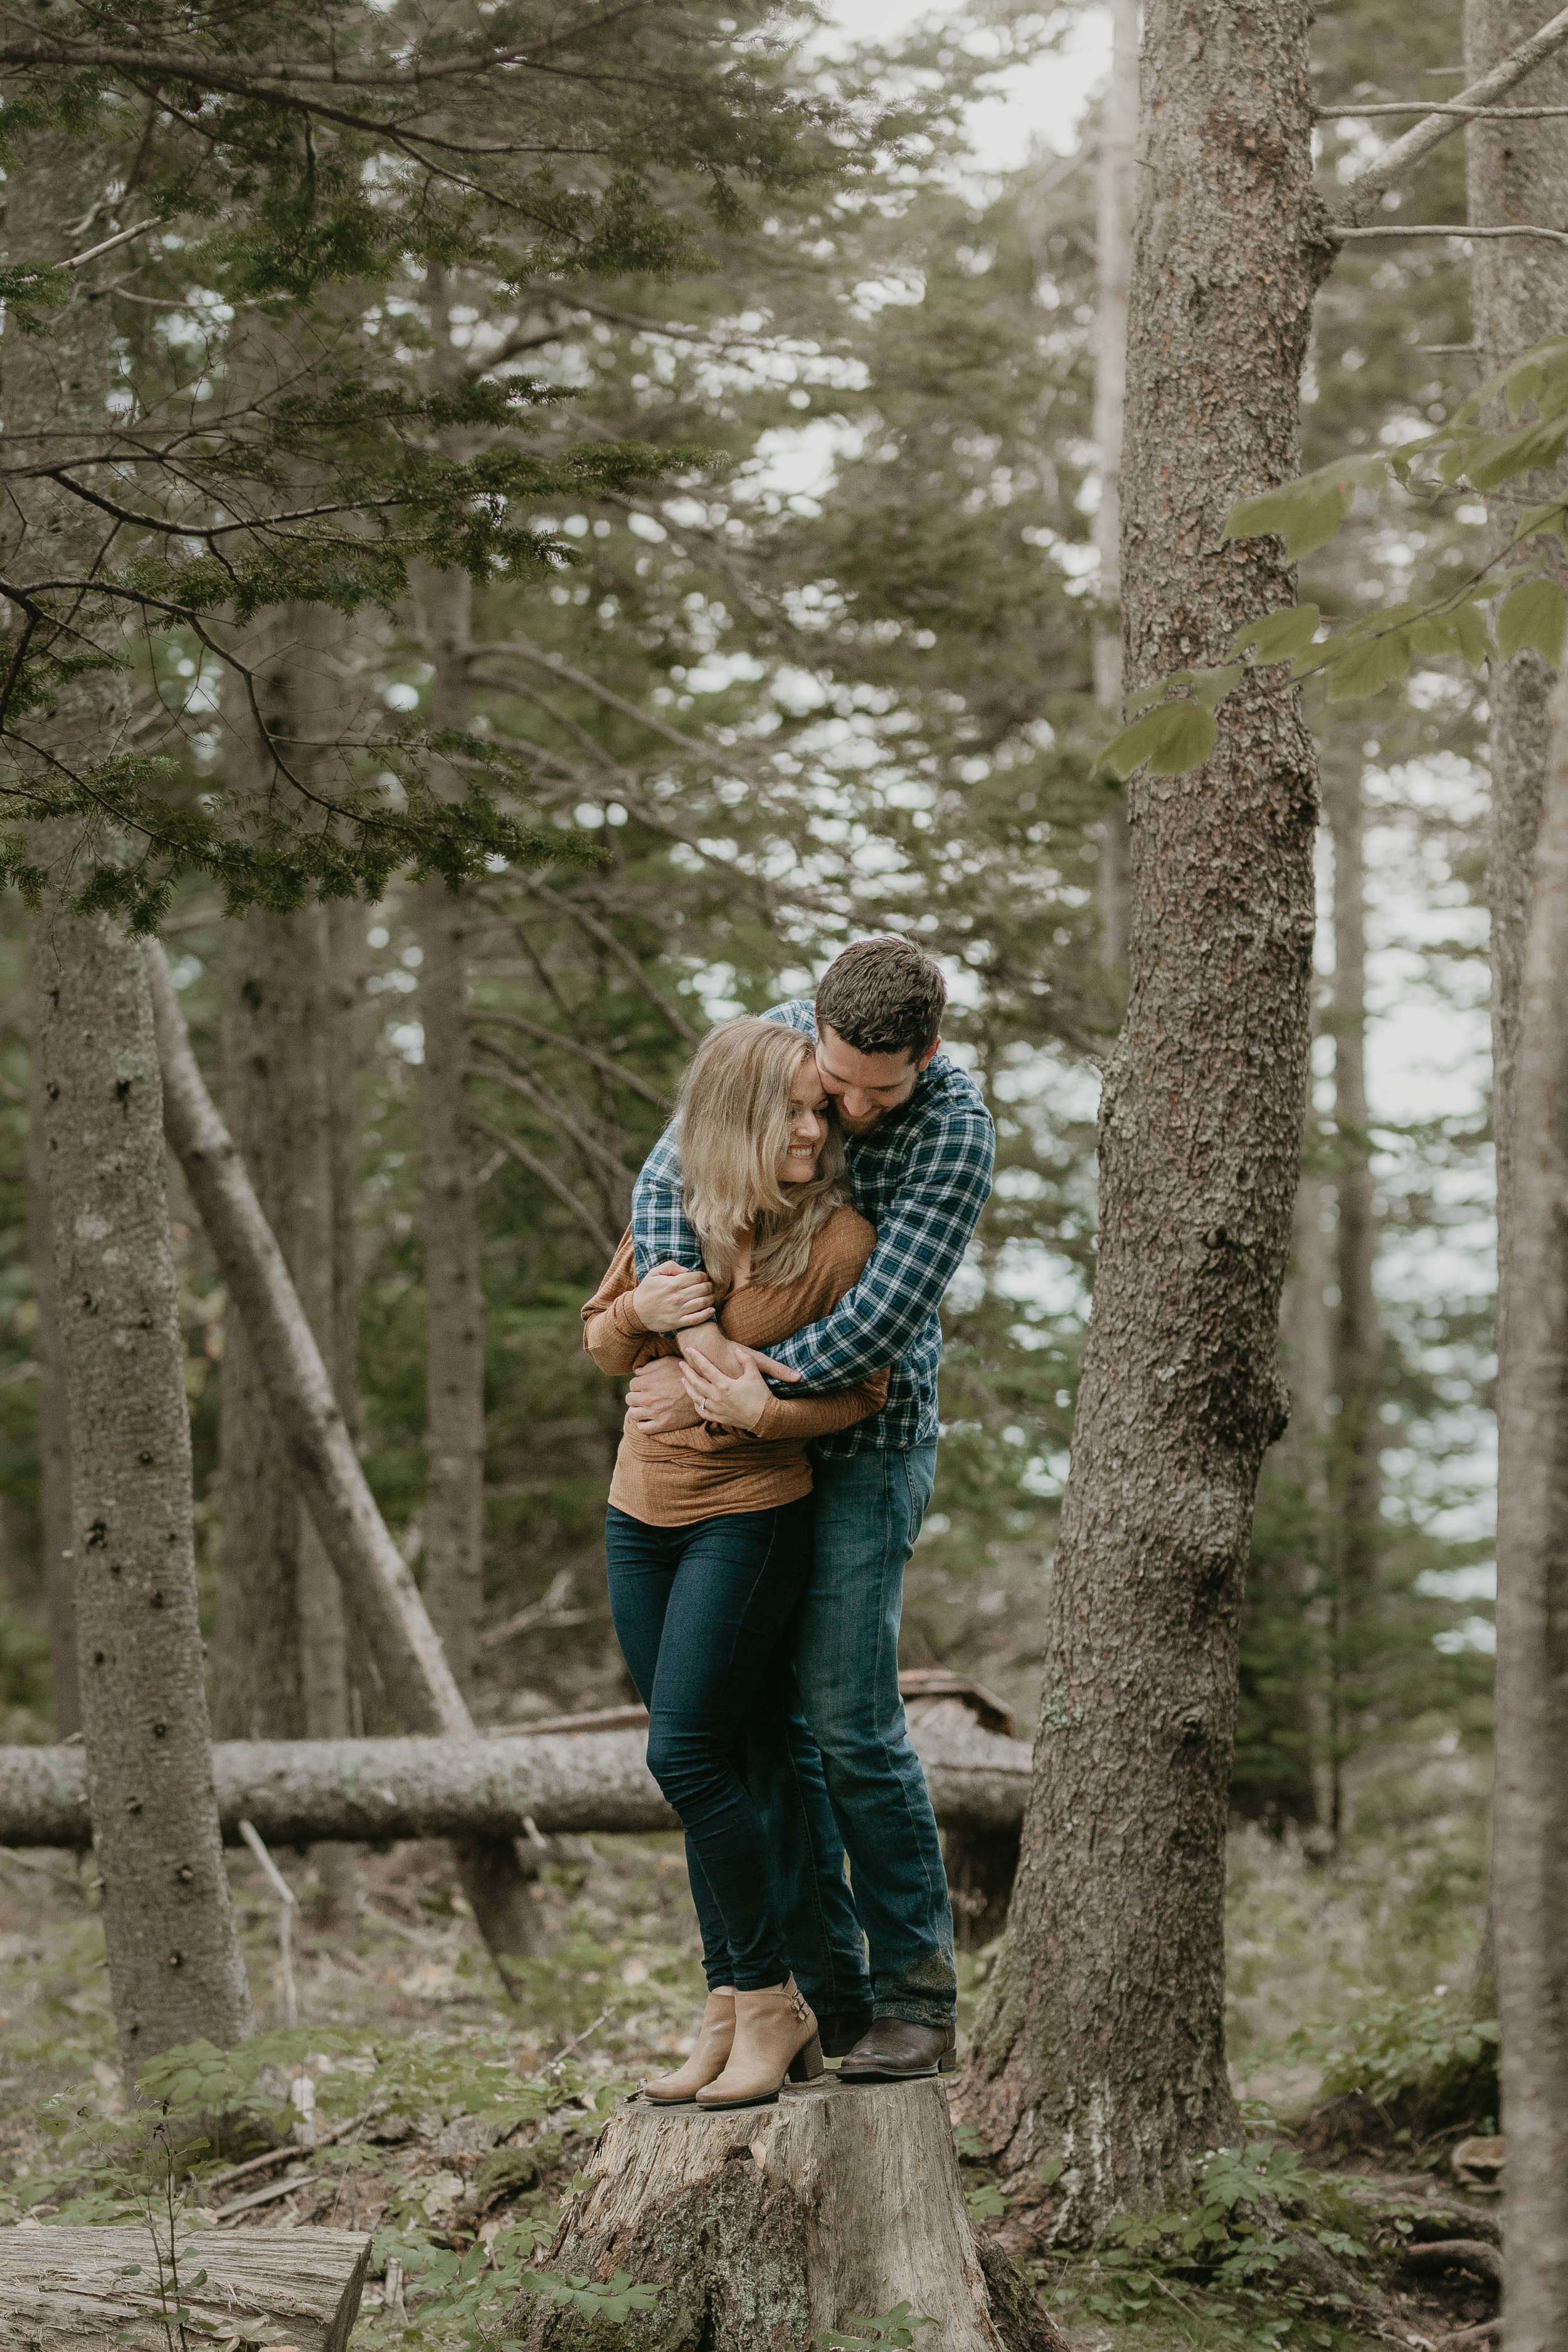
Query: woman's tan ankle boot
(709, 2058)
(775, 2035)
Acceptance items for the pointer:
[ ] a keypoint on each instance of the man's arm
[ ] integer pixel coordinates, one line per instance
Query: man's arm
(660, 1227)
(921, 1243)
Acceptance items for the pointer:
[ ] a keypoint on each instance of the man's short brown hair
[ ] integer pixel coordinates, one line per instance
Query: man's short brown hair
(883, 996)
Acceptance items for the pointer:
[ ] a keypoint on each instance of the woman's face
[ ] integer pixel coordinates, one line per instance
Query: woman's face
(807, 1125)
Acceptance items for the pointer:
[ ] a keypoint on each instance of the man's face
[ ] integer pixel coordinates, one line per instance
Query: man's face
(866, 1086)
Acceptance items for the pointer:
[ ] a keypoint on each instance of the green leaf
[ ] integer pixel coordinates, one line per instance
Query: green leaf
(1496, 458)
(1210, 686)
(1534, 615)
(1368, 668)
(1304, 517)
(1552, 516)
(1475, 638)
(1279, 637)
(1171, 739)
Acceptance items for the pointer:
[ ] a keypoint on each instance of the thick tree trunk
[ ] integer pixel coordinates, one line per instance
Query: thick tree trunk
(1102, 2037)
(295, 1790)
(1531, 1818)
(1517, 171)
(1113, 269)
(175, 1967)
(54, 1423)
(769, 2228)
(1355, 1452)
(67, 2289)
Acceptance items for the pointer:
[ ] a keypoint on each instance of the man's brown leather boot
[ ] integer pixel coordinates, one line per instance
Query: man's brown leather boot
(709, 2056)
(897, 2051)
(775, 2036)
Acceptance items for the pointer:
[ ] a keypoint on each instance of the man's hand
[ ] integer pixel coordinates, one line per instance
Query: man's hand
(673, 1298)
(657, 1399)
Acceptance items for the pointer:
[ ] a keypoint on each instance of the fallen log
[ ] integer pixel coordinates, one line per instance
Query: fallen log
(64, 2289)
(769, 2228)
(296, 1791)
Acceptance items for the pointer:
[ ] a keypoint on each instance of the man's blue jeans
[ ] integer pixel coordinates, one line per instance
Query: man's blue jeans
(836, 1774)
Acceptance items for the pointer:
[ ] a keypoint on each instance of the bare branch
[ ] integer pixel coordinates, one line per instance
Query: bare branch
(584, 1215)
(1424, 106)
(613, 946)
(1446, 228)
(1366, 189)
(603, 1063)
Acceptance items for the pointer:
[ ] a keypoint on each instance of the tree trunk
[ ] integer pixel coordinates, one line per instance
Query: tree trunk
(1517, 171)
(1531, 1818)
(54, 1424)
(1114, 257)
(454, 1299)
(1283, 1590)
(1102, 2038)
(1355, 1451)
(66, 2289)
(768, 2227)
(295, 1790)
(175, 1967)
(499, 1876)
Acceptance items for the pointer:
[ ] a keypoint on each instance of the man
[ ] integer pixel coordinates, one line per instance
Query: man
(922, 1150)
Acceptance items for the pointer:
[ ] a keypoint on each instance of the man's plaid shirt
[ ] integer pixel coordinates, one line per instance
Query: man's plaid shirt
(922, 1176)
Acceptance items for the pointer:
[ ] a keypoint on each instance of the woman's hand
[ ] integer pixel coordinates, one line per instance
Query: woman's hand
(737, 1403)
(673, 1298)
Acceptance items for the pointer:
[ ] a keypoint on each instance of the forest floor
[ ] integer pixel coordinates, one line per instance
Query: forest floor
(451, 2122)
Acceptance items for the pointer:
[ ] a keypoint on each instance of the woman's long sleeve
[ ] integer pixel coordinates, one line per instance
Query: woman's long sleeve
(814, 1416)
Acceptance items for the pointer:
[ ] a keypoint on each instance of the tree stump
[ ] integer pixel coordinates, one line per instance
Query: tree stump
(769, 2227)
(82, 2290)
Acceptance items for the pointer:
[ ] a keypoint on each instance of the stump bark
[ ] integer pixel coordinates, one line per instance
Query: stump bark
(769, 2227)
(82, 2290)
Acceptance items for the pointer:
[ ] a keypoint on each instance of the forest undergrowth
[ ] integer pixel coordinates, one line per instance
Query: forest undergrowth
(452, 2124)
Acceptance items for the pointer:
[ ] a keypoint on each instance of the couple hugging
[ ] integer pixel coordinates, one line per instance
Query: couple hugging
(776, 1301)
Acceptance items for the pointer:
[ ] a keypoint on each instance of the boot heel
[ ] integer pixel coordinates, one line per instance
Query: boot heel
(806, 2064)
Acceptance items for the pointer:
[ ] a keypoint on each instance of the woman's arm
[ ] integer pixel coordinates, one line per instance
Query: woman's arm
(627, 1321)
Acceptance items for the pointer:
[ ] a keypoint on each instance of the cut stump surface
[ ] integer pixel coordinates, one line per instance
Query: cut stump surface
(63, 2288)
(769, 2227)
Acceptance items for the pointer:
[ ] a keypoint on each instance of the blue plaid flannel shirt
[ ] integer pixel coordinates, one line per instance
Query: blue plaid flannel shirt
(922, 1176)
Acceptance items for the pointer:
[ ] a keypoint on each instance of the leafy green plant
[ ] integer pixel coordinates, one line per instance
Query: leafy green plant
(1221, 2268)
(1422, 2061)
(897, 2326)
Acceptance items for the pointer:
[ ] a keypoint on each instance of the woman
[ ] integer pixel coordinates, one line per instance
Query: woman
(708, 1532)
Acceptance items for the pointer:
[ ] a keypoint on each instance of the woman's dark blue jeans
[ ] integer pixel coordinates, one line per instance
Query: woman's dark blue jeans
(700, 1612)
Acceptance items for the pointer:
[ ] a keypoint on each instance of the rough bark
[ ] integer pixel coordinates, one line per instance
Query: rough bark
(295, 1790)
(1113, 270)
(54, 1424)
(1531, 1804)
(1102, 2037)
(80, 2289)
(771, 2227)
(1517, 171)
(1355, 1451)
(175, 1967)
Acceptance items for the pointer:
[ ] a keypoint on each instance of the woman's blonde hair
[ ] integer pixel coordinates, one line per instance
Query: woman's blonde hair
(734, 1127)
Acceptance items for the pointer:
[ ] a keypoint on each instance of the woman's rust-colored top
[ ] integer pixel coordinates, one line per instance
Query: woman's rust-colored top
(708, 1473)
